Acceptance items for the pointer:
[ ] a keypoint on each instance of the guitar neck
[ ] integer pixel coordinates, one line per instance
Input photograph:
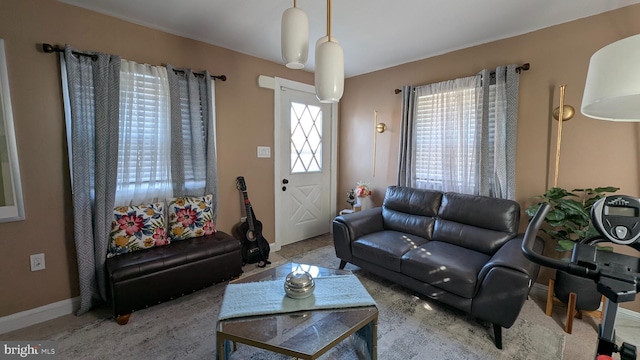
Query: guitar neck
(248, 210)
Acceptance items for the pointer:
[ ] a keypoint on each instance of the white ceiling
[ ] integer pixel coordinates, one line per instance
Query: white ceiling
(375, 34)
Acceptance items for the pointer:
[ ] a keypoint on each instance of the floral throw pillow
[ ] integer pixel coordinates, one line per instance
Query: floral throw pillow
(137, 227)
(190, 217)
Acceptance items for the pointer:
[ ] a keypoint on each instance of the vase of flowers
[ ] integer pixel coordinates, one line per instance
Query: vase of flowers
(362, 191)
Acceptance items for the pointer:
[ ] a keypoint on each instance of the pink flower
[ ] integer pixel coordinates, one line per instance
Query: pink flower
(130, 224)
(362, 191)
(208, 228)
(160, 237)
(186, 216)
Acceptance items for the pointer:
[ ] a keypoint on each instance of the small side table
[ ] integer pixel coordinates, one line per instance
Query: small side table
(356, 208)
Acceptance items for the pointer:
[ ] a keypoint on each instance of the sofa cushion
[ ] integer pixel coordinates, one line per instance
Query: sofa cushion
(470, 237)
(410, 210)
(385, 248)
(137, 227)
(476, 222)
(449, 267)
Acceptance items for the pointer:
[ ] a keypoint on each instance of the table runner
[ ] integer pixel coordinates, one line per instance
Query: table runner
(268, 297)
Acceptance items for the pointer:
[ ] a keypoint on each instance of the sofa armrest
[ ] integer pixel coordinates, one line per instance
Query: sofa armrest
(504, 283)
(362, 222)
(510, 256)
(349, 227)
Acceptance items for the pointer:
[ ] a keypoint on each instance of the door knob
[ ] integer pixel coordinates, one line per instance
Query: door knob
(284, 188)
(285, 181)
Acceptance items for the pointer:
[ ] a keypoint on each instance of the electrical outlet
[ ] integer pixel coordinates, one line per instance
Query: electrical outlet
(37, 262)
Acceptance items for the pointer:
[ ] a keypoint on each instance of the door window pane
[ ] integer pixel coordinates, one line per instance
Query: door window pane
(306, 138)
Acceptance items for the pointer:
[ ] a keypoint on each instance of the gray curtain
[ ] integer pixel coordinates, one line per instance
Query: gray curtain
(406, 153)
(92, 94)
(193, 157)
(498, 104)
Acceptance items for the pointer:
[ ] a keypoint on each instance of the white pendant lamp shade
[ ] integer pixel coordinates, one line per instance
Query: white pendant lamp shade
(329, 72)
(295, 38)
(612, 89)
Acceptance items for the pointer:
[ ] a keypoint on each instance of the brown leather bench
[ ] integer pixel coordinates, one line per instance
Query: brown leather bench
(144, 278)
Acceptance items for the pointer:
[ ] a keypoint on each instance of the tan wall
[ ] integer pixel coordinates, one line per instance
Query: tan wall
(594, 153)
(244, 114)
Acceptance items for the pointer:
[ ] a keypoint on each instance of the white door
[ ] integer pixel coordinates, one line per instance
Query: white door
(303, 163)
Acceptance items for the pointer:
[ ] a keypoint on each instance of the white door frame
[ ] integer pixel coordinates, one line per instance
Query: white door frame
(278, 153)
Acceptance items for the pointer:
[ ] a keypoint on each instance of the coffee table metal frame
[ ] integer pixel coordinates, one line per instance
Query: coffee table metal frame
(361, 322)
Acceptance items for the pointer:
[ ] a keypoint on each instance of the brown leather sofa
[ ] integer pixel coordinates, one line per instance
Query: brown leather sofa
(143, 278)
(462, 250)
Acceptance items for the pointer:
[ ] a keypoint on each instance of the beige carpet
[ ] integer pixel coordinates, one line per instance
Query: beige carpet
(409, 328)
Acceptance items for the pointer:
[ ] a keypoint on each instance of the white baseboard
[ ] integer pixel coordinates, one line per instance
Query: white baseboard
(622, 312)
(629, 314)
(40, 314)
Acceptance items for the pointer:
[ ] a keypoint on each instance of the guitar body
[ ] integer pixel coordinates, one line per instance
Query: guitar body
(255, 248)
(252, 243)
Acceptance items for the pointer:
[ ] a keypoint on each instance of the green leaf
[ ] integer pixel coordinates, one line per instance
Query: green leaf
(556, 193)
(572, 207)
(606, 189)
(565, 245)
(555, 215)
(605, 248)
(533, 209)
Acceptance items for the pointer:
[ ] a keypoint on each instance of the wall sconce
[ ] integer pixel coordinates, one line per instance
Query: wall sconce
(565, 112)
(379, 128)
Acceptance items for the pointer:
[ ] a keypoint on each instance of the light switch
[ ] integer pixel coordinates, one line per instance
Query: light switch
(264, 151)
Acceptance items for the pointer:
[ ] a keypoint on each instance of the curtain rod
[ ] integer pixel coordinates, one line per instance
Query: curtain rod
(48, 48)
(519, 69)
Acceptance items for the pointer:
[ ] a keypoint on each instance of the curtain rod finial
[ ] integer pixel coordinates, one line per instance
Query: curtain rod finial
(48, 48)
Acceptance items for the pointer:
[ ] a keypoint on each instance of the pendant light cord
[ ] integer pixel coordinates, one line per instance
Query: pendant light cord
(328, 20)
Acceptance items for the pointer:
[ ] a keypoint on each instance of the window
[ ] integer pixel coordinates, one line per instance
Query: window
(144, 144)
(446, 136)
(306, 138)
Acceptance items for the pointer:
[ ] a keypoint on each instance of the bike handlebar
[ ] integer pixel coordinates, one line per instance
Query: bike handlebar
(527, 248)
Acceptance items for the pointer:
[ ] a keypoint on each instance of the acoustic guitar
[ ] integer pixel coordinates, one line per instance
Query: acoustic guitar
(255, 248)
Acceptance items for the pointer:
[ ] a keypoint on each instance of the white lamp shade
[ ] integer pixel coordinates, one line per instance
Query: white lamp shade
(329, 73)
(612, 89)
(295, 38)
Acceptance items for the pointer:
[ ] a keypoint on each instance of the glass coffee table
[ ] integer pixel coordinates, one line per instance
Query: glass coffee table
(305, 334)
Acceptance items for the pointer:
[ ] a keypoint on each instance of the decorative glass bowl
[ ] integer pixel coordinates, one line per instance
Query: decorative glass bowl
(299, 284)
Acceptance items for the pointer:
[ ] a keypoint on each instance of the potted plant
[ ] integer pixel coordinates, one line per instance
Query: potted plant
(567, 222)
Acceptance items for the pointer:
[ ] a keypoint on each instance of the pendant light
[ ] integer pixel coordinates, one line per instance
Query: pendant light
(612, 88)
(294, 37)
(329, 73)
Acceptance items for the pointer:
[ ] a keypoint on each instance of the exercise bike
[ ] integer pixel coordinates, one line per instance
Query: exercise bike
(617, 220)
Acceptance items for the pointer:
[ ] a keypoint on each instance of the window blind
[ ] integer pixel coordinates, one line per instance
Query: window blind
(144, 140)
